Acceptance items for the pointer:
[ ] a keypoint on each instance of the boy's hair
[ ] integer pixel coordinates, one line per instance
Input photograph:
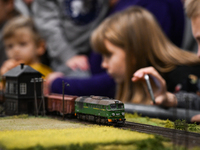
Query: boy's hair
(18, 23)
(192, 8)
(5, 1)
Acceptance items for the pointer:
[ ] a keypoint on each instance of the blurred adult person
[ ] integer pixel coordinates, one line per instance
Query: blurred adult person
(24, 6)
(66, 26)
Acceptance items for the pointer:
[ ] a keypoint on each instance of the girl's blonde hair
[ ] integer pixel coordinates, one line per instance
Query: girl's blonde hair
(192, 8)
(136, 31)
(18, 23)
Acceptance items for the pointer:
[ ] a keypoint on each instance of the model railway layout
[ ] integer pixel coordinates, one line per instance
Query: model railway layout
(23, 94)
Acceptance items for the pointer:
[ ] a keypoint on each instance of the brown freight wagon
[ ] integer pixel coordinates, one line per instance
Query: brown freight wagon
(54, 103)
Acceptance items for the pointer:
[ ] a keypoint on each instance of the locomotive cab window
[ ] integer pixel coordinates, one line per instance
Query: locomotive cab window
(112, 106)
(120, 106)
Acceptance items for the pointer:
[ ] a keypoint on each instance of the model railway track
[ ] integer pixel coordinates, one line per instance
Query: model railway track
(178, 136)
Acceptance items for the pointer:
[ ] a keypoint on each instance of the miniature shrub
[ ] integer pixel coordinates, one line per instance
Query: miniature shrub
(180, 125)
(169, 124)
(193, 127)
(135, 115)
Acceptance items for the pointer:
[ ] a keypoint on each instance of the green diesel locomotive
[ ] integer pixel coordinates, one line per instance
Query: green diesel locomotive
(100, 109)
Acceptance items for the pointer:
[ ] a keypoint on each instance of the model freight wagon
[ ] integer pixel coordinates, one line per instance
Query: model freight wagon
(100, 109)
(54, 103)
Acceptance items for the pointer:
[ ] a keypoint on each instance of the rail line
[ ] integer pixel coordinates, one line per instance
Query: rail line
(180, 137)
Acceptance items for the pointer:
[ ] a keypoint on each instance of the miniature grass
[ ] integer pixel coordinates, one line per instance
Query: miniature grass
(158, 122)
(23, 132)
(78, 138)
(43, 133)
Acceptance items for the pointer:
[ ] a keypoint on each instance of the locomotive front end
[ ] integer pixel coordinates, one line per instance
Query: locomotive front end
(116, 113)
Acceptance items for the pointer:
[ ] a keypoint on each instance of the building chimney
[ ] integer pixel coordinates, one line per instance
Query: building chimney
(22, 66)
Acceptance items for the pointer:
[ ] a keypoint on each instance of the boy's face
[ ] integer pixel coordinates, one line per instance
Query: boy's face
(114, 63)
(196, 31)
(21, 47)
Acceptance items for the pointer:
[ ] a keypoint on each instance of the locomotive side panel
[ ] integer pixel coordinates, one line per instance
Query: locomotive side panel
(103, 110)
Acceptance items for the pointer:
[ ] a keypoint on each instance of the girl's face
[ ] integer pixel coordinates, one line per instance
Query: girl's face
(21, 47)
(114, 62)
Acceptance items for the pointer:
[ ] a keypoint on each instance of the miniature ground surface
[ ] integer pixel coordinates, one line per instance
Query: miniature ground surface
(158, 122)
(23, 132)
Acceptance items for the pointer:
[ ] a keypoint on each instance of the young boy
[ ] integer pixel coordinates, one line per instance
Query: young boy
(23, 45)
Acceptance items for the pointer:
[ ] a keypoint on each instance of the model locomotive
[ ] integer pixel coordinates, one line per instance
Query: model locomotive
(99, 109)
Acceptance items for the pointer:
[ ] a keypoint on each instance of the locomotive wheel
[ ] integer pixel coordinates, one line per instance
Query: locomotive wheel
(78, 116)
(98, 120)
(83, 117)
(87, 117)
(106, 121)
(102, 120)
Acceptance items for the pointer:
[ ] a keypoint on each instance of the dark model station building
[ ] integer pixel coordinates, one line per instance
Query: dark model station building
(22, 87)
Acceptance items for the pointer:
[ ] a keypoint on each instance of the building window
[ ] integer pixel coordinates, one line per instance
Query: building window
(23, 88)
(15, 88)
(11, 88)
(7, 87)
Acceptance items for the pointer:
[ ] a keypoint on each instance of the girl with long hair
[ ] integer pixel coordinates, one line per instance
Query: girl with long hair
(131, 40)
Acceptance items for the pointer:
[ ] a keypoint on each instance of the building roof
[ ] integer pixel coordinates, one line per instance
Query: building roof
(17, 71)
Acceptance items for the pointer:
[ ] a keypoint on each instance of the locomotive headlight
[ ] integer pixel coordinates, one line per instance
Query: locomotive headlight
(113, 114)
(123, 113)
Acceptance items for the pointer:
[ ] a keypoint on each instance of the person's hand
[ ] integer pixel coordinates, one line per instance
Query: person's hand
(78, 62)
(8, 65)
(195, 118)
(162, 96)
(49, 80)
